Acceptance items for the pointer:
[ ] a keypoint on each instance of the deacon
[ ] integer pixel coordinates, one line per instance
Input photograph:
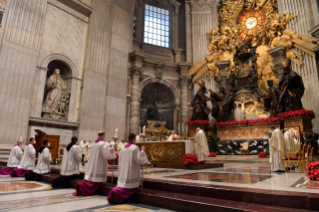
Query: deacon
(171, 137)
(84, 148)
(14, 160)
(43, 166)
(27, 162)
(128, 171)
(96, 170)
(277, 150)
(201, 141)
(70, 165)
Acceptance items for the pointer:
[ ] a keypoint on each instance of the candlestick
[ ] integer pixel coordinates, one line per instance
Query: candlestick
(144, 128)
(116, 130)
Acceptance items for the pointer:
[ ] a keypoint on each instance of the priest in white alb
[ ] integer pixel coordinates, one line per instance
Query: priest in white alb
(27, 163)
(277, 149)
(70, 165)
(89, 150)
(43, 166)
(128, 171)
(202, 146)
(14, 160)
(84, 148)
(290, 142)
(171, 137)
(96, 170)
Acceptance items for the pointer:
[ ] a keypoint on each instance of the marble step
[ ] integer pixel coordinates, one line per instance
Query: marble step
(238, 159)
(2, 152)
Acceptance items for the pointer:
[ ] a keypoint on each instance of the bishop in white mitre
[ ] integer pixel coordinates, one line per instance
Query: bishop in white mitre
(14, 160)
(43, 166)
(128, 171)
(27, 162)
(277, 149)
(96, 170)
(70, 165)
(202, 146)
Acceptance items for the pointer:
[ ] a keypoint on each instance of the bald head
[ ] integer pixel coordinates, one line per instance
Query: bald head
(19, 142)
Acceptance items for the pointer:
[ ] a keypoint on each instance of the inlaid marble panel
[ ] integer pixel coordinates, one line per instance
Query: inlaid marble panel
(305, 182)
(243, 178)
(124, 208)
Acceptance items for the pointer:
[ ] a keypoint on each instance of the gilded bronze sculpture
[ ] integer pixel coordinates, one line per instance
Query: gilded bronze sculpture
(199, 104)
(222, 104)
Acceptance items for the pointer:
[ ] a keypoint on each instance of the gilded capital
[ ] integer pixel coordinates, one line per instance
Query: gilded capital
(184, 81)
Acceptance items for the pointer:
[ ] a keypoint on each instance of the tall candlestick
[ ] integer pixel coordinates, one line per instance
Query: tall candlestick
(116, 130)
(144, 128)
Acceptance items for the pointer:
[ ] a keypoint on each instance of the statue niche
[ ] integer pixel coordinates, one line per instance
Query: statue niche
(57, 92)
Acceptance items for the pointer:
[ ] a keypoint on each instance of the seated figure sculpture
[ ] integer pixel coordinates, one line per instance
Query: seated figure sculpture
(222, 104)
(199, 103)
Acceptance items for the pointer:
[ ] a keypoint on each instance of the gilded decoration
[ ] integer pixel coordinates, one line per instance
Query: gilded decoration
(258, 24)
(165, 152)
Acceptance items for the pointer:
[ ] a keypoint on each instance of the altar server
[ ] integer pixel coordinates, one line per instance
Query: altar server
(14, 160)
(128, 171)
(43, 166)
(96, 170)
(70, 165)
(84, 148)
(171, 137)
(27, 162)
(201, 141)
(277, 150)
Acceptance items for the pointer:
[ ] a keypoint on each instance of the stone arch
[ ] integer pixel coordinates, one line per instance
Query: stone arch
(167, 83)
(62, 58)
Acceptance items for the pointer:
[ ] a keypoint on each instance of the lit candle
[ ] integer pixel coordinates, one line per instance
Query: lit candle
(20, 138)
(116, 130)
(144, 128)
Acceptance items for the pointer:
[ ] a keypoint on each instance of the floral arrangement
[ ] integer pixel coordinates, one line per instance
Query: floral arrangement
(262, 155)
(36, 160)
(212, 154)
(56, 161)
(313, 170)
(147, 165)
(280, 116)
(197, 122)
(111, 160)
(190, 159)
(302, 112)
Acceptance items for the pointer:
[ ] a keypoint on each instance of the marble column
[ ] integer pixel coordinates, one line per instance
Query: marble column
(279, 55)
(135, 106)
(184, 81)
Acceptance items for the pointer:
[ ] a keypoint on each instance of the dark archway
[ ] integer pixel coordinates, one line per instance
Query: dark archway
(165, 102)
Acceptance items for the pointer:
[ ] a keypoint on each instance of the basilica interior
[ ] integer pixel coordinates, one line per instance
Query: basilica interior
(163, 70)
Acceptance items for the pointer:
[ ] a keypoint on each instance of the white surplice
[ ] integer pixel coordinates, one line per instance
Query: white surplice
(71, 161)
(15, 156)
(44, 160)
(84, 147)
(129, 166)
(27, 162)
(96, 170)
(289, 142)
(277, 150)
(201, 141)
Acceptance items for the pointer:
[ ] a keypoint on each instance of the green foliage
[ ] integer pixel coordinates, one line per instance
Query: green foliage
(213, 141)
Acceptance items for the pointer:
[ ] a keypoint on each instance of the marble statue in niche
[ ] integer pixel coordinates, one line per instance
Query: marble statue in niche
(57, 96)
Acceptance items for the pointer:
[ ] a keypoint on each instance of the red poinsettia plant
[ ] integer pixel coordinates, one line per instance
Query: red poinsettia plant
(262, 155)
(56, 160)
(302, 112)
(313, 170)
(230, 123)
(190, 159)
(116, 159)
(212, 154)
(197, 122)
(261, 121)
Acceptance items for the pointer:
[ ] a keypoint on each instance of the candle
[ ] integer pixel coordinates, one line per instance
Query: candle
(116, 130)
(140, 130)
(144, 127)
(20, 138)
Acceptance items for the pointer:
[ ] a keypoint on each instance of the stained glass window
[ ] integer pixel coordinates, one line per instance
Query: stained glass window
(3, 4)
(156, 26)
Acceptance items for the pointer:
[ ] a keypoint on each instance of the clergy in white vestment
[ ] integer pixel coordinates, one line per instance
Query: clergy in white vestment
(89, 150)
(202, 146)
(84, 148)
(27, 162)
(277, 149)
(13, 161)
(128, 171)
(96, 169)
(171, 137)
(289, 142)
(43, 166)
(70, 165)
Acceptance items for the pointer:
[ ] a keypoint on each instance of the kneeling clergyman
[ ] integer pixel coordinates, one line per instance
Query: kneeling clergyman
(96, 170)
(27, 162)
(14, 160)
(277, 150)
(202, 146)
(128, 171)
(43, 165)
(70, 165)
